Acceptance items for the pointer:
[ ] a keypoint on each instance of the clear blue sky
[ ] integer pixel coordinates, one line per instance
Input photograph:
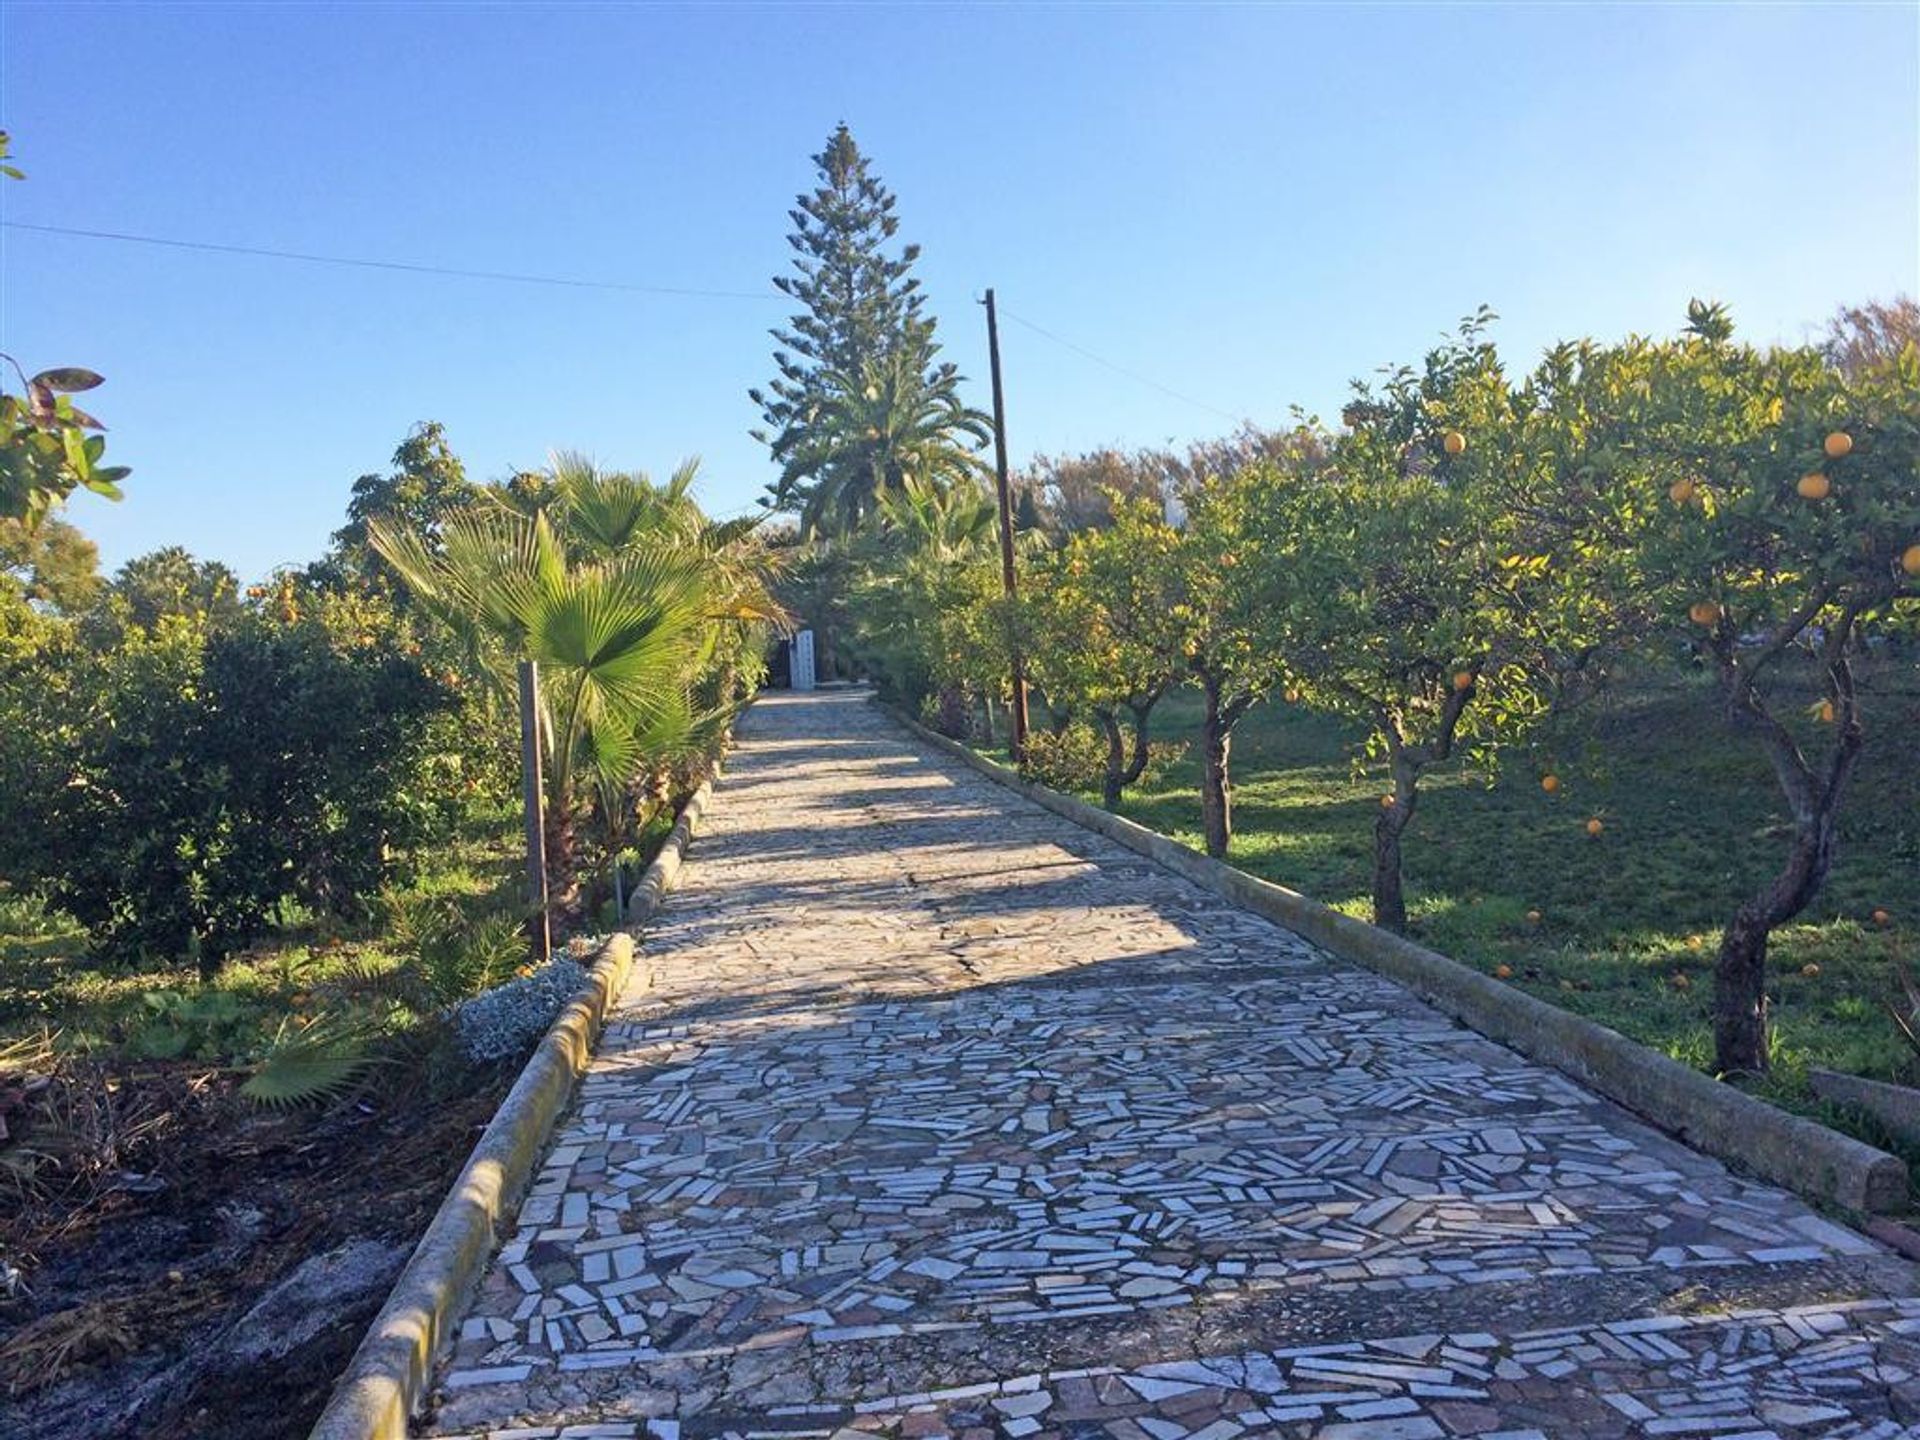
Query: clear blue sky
(1248, 205)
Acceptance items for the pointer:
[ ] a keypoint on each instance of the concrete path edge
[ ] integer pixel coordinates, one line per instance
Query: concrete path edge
(1788, 1150)
(390, 1372)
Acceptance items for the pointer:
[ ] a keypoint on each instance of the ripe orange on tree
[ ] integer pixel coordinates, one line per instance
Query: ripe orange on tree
(1549, 783)
(1814, 487)
(1594, 827)
(1533, 917)
(1703, 612)
(1462, 679)
(1910, 560)
(1881, 917)
(1503, 972)
(1838, 445)
(1453, 442)
(1680, 492)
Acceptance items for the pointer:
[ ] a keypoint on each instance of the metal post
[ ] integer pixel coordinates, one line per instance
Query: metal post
(1004, 492)
(533, 800)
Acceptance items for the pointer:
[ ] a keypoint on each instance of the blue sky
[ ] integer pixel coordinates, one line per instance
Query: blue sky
(1248, 205)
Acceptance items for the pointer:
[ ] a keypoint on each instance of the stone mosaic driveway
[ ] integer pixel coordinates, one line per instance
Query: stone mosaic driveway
(949, 1117)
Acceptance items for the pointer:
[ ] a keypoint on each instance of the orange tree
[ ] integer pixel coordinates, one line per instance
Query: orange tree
(1221, 622)
(1440, 582)
(1099, 640)
(1778, 521)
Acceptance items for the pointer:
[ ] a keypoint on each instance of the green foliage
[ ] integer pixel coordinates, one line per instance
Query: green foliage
(51, 564)
(190, 780)
(312, 1059)
(926, 597)
(453, 951)
(645, 619)
(205, 1025)
(426, 485)
(49, 447)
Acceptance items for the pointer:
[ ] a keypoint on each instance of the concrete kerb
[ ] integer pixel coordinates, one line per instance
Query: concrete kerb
(1788, 1150)
(389, 1374)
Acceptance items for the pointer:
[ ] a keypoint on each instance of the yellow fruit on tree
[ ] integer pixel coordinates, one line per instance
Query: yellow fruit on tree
(1454, 442)
(1814, 487)
(1694, 942)
(1910, 559)
(1838, 445)
(1594, 827)
(1703, 612)
(1549, 783)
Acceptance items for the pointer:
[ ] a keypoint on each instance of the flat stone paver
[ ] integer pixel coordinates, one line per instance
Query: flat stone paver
(947, 1116)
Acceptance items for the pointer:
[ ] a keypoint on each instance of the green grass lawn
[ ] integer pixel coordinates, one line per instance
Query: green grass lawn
(1629, 920)
(49, 981)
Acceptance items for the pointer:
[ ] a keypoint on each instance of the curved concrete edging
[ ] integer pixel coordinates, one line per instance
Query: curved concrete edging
(390, 1372)
(1789, 1150)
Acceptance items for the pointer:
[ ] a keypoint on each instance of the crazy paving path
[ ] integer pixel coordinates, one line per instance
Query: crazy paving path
(949, 1117)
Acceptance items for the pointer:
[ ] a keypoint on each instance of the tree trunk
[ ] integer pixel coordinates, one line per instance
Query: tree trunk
(1389, 893)
(1142, 750)
(563, 888)
(1113, 780)
(1216, 788)
(1742, 1043)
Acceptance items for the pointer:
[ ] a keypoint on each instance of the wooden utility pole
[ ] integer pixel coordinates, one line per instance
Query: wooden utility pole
(533, 800)
(1003, 489)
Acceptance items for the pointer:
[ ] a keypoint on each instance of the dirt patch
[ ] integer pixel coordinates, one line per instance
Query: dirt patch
(161, 1209)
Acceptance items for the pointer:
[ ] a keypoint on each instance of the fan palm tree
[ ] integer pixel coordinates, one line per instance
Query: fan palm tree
(875, 430)
(623, 595)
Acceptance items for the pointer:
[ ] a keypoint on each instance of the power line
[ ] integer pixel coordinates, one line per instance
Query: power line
(564, 282)
(362, 264)
(1132, 375)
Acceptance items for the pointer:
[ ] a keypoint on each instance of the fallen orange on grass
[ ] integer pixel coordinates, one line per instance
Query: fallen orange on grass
(1453, 442)
(1838, 445)
(1814, 487)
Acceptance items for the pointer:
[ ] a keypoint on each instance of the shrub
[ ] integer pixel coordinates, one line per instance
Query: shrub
(189, 782)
